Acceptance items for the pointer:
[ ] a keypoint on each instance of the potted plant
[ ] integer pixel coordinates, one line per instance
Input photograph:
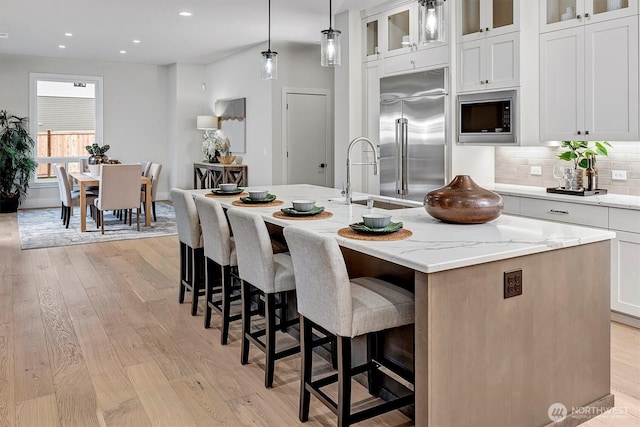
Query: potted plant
(579, 153)
(16, 160)
(97, 157)
(214, 145)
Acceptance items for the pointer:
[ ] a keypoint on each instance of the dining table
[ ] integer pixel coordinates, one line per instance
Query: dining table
(85, 179)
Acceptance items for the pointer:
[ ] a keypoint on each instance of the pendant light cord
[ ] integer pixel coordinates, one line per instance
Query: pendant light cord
(330, 15)
(269, 42)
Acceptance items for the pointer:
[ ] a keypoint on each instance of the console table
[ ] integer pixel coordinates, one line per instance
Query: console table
(211, 175)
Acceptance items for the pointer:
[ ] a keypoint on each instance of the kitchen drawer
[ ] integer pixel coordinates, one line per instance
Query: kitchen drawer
(624, 220)
(593, 216)
(511, 205)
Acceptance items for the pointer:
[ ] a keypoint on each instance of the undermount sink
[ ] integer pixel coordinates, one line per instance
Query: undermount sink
(382, 204)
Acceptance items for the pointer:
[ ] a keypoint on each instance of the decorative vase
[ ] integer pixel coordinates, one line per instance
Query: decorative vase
(214, 158)
(96, 159)
(9, 204)
(463, 201)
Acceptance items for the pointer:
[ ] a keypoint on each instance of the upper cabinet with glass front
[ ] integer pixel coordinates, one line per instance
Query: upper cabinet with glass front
(401, 27)
(484, 18)
(560, 14)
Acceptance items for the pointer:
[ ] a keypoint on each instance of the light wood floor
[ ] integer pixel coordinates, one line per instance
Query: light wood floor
(94, 335)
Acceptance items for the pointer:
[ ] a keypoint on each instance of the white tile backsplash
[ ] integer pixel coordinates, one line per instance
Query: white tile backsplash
(513, 166)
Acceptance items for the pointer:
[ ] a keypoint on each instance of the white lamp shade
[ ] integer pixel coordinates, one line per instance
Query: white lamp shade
(207, 122)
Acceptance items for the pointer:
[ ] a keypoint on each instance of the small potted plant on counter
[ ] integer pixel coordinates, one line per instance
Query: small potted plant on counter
(16, 160)
(579, 153)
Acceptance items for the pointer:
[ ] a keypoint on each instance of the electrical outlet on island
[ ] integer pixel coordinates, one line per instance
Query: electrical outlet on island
(536, 170)
(619, 175)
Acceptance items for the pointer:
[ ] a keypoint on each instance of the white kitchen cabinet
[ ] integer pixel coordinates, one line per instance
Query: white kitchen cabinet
(589, 82)
(421, 59)
(392, 29)
(562, 14)
(489, 64)
(371, 40)
(625, 248)
(625, 261)
(478, 19)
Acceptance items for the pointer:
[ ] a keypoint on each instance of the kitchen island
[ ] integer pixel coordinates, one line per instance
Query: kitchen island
(482, 359)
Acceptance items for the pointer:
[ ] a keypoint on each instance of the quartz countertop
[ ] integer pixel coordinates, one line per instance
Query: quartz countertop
(609, 200)
(434, 246)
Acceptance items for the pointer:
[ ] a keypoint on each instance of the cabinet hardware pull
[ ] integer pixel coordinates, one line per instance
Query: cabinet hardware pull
(578, 17)
(487, 29)
(481, 82)
(579, 133)
(486, 81)
(586, 15)
(586, 132)
(481, 30)
(555, 211)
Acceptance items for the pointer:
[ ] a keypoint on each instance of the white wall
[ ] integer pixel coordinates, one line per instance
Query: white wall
(186, 103)
(135, 109)
(238, 76)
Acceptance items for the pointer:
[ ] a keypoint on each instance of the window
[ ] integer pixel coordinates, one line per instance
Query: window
(66, 116)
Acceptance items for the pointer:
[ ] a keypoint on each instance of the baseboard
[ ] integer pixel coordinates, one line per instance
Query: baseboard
(625, 319)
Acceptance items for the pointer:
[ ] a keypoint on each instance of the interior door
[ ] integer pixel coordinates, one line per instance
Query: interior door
(308, 146)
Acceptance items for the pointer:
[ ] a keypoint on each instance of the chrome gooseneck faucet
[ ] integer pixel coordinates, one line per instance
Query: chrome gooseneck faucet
(348, 191)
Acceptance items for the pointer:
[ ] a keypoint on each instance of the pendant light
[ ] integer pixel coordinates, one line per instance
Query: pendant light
(269, 62)
(430, 21)
(330, 45)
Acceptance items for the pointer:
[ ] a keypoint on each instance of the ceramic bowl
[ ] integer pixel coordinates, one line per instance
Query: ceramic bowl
(228, 187)
(258, 194)
(303, 205)
(376, 220)
(226, 160)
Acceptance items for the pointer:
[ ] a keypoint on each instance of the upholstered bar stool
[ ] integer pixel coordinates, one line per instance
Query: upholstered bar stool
(347, 308)
(270, 275)
(220, 255)
(191, 247)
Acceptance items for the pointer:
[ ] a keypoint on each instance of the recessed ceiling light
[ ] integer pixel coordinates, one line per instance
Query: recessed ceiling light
(4, 35)
(61, 46)
(185, 13)
(136, 41)
(123, 51)
(68, 34)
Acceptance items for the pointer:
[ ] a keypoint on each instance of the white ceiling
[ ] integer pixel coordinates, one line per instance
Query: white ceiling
(101, 28)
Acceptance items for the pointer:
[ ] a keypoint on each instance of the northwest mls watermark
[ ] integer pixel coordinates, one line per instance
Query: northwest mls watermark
(558, 411)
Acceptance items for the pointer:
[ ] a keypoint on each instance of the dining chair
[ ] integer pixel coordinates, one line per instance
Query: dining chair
(69, 198)
(265, 275)
(191, 247)
(328, 299)
(221, 264)
(119, 189)
(154, 175)
(145, 167)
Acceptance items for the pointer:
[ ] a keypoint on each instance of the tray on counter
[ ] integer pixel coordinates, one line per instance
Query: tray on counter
(582, 192)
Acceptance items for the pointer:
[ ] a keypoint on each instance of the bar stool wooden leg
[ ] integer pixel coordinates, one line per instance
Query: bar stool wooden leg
(344, 381)
(183, 271)
(246, 321)
(227, 283)
(270, 339)
(306, 368)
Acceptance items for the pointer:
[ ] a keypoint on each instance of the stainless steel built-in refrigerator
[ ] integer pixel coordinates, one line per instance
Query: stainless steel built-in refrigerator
(412, 133)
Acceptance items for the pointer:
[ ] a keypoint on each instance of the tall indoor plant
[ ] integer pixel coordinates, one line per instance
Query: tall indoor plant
(16, 160)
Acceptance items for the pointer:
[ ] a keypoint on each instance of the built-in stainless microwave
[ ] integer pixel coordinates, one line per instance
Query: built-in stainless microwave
(487, 118)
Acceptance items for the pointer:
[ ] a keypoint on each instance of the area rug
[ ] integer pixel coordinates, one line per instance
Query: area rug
(43, 228)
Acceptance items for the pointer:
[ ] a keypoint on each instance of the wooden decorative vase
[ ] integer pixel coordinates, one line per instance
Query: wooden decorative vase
(463, 201)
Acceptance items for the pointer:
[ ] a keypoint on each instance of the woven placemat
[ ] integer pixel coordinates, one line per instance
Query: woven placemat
(226, 196)
(401, 234)
(257, 205)
(321, 215)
